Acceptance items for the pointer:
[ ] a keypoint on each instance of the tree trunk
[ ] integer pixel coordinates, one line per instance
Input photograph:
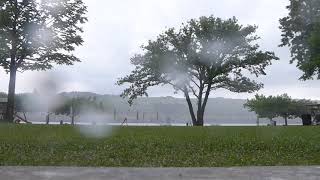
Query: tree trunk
(193, 117)
(202, 109)
(9, 116)
(137, 115)
(72, 113)
(286, 120)
(200, 121)
(11, 94)
(199, 111)
(272, 122)
(72, 116)
(48, 119)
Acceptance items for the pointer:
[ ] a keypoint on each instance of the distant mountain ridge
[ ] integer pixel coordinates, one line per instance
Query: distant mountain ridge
(159, 109)
(173, 110)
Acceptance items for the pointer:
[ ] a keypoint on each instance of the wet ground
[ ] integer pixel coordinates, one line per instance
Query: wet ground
(241, 173)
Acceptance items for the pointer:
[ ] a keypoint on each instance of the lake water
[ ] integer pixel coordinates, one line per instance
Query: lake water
(157, 124)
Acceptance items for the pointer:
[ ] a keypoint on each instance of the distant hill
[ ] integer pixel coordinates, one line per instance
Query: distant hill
(152, 109)
(173, 110)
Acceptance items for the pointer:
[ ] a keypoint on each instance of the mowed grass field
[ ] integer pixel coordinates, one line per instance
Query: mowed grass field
(37, 145)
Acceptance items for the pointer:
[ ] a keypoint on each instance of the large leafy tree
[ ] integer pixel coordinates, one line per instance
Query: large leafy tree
(314, 42)
(76, 106)
(36, 34)
(203, 55)
(263, 106)
(300, 31)
(284, 106)
(278, 106)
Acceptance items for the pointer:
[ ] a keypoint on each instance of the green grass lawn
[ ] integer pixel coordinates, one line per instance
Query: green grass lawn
(160, 146)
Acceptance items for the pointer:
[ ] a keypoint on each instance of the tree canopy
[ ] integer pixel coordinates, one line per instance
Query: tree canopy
(36, 34)
(79, 105)
(203, 55)
(261, 105)
(314, 42)
(39, 33)
(277, 106)
(300, 31)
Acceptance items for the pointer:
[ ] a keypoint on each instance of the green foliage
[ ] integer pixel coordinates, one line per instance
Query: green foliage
(160, 147)
(3, 95)
(78, 105)
(314, 42)
(203, 55)
(261, 105)
(35, 34)
(277, 106)
(300, 31)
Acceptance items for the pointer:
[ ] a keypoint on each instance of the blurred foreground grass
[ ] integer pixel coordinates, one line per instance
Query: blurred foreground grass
(38, 145)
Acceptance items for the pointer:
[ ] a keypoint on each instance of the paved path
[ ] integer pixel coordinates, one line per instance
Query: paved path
(245, 173)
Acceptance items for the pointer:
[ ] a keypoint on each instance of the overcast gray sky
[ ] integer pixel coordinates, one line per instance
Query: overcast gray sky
(116, 30)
